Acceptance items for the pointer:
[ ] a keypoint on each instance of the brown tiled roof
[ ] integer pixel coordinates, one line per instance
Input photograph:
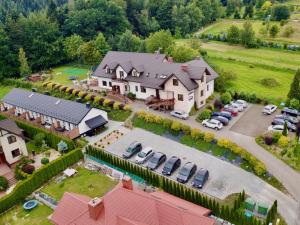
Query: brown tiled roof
(11, 127)
(154, 67)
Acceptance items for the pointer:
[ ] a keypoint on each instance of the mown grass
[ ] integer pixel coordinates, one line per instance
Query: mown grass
(92, 184)
(4, 90)
(18, 216)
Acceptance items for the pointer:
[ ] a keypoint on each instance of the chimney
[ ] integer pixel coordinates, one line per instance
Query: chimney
(88, 105)
(96, 205)
(184, 67)
(170, 59)
(127, 183)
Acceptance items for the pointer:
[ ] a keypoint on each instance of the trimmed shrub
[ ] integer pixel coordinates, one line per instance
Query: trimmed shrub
(176, 126)
(106, 102)
(131, 96)
(127, 108)
(283, 142)
(276, 136)
(44, 161)
(226, 98)
(195, 133)
(209, 137)
(205, 114)
(167, 123)
(3, 183)
(186, 129)
(116, 105)
(29, 169)
(268, 140)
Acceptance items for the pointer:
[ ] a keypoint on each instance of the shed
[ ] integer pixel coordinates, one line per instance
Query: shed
(263, 209)
(250, 204)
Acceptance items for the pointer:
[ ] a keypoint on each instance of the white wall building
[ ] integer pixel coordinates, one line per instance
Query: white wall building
(12, 143)
(153, 75)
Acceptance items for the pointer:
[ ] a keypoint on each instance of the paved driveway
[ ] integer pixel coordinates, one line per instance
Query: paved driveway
(225, 178)
(253, 123)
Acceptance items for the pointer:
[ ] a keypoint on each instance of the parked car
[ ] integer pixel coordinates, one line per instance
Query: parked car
(134, 148)
(222, 119)
(290, 126)
(180, 114)
(171, 165)
(237, 107)
(290, 111)
(269, 109)
(232, 111)
(200, 178)
(242, 103)
(276, 128)
(186, 172)
(157, 159)
(288, 118)
(144, 155)
(224, 114)
(211, 123)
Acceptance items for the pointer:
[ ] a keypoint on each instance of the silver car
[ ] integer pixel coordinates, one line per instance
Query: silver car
(180, 114)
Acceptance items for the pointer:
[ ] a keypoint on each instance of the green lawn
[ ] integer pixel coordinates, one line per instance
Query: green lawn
(18, 216)
(61, 74)
(221, 26)
(4, 90)
(92, 184)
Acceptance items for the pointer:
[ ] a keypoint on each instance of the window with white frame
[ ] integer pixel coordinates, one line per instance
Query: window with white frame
(104, 83)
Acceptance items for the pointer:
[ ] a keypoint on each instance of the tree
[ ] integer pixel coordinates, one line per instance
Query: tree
(90, 54)
(285, 129)
(129, 42)
(183, 53)
(288, 31)
(274, 30)
(247, 35)
(71, 46)
(226, 98)
(24, 67)
(294, 103)
(101, 44)
(280, 12)
(159, 40)
(248, 11)
(295, 87)
(3, 183)
(233, 34)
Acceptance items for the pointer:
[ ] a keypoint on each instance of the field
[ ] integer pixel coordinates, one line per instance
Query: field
(62, 74)
(92, 184)
(252, 65)
(4, 90)
(222, 26)
(18, 216)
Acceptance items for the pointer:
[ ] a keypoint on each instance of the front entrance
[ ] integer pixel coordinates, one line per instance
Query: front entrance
(116, 89)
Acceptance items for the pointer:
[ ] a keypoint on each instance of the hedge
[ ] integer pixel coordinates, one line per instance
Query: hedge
(16, 83)
(231, 214)
(258, 167)
(38, 178)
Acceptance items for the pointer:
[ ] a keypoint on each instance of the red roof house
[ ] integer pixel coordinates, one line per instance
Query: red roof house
(126, 205)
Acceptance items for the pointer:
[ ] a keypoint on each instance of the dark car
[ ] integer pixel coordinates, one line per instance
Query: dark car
(171, 165)
(134, 148)
(288, 118)
(186, 172)
(200, 178)
(290, 111)
(231, 110)
(222, 119)
(157, 159)
(224, 114)
(290, 126)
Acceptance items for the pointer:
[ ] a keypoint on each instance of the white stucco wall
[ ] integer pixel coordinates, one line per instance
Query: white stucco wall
(8, 148)
(141, 95)
(119, 68)
(83, 128)
(211, 86)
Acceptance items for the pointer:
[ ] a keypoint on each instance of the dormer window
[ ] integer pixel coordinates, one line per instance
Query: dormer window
(110, 71)
(121, 74)
(107, 70)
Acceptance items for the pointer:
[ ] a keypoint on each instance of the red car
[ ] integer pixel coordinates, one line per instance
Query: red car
(233, 111)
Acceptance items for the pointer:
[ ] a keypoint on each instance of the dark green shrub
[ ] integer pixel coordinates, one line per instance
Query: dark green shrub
(205, 114)
(269, 82)
(38, 139)
(3, 183)
(44, 161)
(131, 96)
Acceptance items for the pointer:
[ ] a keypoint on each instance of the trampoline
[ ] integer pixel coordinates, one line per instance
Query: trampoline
(30, 204)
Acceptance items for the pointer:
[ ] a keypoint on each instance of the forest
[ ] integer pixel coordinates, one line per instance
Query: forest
(40, 34)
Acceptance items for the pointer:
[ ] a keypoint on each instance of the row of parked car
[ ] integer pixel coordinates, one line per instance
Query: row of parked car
(156, 159)
(288, 116)
(222, 118)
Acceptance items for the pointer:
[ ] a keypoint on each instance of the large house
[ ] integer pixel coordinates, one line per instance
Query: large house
(12, 142)
(180, 85)
(127, 205)
(75, 119)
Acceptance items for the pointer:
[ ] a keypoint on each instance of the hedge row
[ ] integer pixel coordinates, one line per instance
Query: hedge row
(231, 214)
(52, 139)
(172, 125)
(16, 83)
(38, 178)
(86, 96)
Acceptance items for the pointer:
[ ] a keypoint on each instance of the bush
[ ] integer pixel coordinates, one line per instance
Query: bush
(205, 114)
(29, 169)
(106, 102)
(39, 139)
(209, 137)
(276, 136)
(294, 103)
(268, 140)
(44, 161)
(116, 105)
(218, 104)
(226, 98)
(283, 142)
(269, 82)
(3, 183)
(131, 96)
(186, 129)
(176, 126)
(195, 133)
(127, 108)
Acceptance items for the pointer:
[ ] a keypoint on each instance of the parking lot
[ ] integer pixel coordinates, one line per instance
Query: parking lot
(252, 122)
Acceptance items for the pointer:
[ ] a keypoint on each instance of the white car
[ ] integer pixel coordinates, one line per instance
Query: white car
(239, 108)
(269, 109)
(212, 123)
(241, 103)
(180, 114)
(144, 155)
(276, 128)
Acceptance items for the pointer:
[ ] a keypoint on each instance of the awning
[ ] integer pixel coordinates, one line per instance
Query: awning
(96, 122)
